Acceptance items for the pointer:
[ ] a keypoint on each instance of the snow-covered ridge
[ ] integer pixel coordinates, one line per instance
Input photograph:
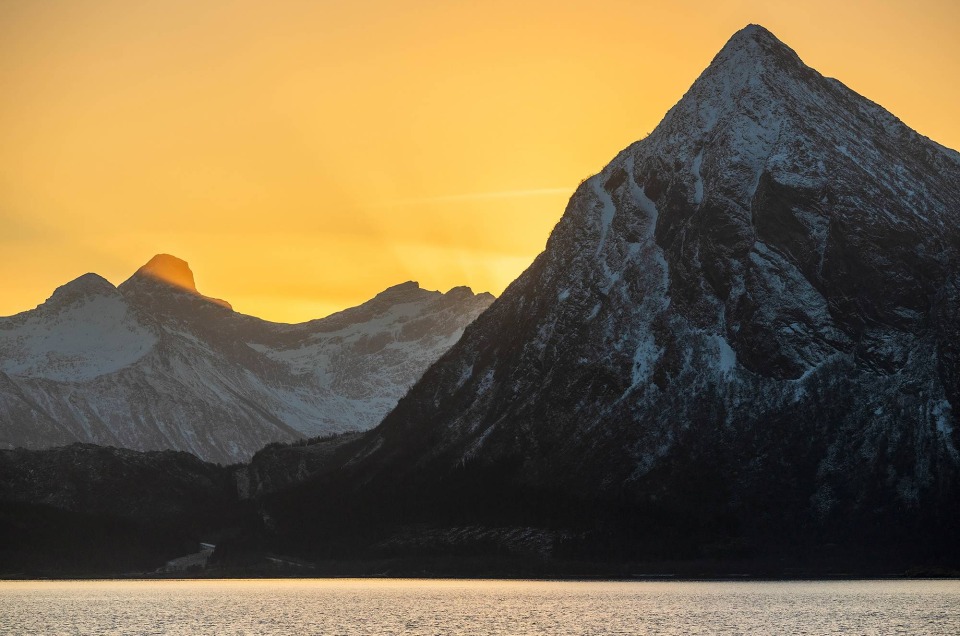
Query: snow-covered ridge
(85, 330)
(155, 364)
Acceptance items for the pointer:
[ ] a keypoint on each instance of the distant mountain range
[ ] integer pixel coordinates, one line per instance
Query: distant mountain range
(153, 364)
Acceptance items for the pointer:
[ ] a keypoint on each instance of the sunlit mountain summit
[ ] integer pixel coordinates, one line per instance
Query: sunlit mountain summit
(173, 272)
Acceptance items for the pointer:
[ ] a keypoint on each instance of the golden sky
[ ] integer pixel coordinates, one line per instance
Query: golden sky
(304, 155)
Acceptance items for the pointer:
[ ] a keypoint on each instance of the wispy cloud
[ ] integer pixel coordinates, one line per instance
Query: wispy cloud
(483, 196)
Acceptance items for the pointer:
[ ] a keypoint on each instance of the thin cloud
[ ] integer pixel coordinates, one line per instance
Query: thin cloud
(483, 196)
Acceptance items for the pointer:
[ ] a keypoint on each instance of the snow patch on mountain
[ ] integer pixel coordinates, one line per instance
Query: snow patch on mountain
(698, 178)
(607, 212)
(76, 336)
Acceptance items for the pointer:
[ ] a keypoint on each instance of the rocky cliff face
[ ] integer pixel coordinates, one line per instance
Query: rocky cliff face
(154, 364)
(742, 332)
(278, 467)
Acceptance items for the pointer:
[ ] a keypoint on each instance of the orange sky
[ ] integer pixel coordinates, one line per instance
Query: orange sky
(302, 156)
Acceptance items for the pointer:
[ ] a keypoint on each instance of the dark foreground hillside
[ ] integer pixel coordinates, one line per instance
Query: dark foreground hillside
(85, 510)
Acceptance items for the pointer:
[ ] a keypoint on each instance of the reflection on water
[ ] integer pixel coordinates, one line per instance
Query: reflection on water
(396, 606)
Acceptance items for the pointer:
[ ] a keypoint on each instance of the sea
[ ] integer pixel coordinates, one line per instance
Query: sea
(380, 607)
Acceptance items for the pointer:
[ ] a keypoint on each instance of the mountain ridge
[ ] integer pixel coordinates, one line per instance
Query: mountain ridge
(154, 364)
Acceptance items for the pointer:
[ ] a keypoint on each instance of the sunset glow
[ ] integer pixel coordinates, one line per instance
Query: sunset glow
(303, 156)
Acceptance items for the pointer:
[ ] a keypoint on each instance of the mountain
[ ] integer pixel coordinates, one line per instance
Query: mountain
(741, 342)
(153, 364)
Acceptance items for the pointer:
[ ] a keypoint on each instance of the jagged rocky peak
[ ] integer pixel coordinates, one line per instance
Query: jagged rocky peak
(778, 210)
(752, 61)
(411, 291)
(753, 51)
(404, 300)
(464, 291)
(463, 295)
(406, 292)
(167, 272)
(759, 111)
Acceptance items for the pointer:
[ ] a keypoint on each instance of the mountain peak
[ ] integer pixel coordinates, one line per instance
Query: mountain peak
(83, 286)
(410, 285)
(403, 292)
(754, 33)
(753, 67)
(757, 95)
(89, 282)
(754, 42)
(170, 270)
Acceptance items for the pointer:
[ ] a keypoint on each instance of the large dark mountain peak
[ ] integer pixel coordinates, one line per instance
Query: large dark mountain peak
(753, 50)
(744, 322)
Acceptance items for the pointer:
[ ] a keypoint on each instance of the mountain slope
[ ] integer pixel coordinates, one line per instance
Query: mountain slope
(154, 364)
(740, 337)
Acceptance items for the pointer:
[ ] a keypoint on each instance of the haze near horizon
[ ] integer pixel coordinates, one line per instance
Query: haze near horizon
(304, 156)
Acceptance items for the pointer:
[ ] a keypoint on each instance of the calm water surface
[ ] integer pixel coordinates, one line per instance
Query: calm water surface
(384, 606)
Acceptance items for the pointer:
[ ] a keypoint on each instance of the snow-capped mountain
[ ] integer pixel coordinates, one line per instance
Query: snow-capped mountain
(743, 331)
(154, 364)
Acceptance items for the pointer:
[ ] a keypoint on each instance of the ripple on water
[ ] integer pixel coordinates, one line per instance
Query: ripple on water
(356, 607)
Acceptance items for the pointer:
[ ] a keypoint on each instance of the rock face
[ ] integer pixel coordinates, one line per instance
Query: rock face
(154, 365)
(742, 333)
(278, 466)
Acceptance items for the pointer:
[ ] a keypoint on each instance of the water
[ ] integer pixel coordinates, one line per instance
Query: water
(557, 608)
